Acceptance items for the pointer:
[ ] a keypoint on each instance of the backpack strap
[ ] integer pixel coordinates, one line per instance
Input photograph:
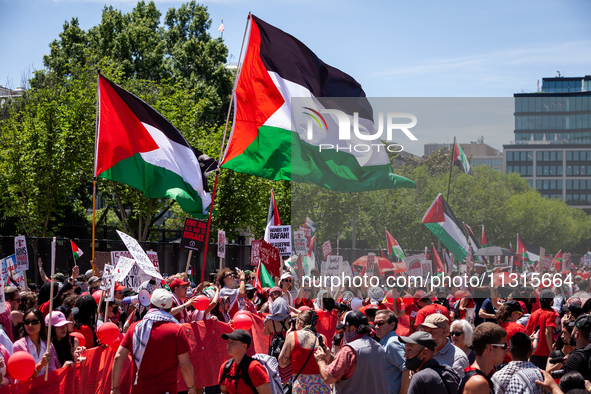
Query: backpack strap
(308, 359)
(226, 370)
(241, 373)
(440, 373)
(471, 373)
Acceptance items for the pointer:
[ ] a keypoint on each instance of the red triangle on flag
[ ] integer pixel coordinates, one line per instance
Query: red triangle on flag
(435, 213)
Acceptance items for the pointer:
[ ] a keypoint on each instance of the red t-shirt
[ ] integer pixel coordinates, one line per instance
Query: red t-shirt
(511, 328)
(257, 373)
(158, 370)
(87, 332)
(544, 317)
(429, 310)
(411, 311)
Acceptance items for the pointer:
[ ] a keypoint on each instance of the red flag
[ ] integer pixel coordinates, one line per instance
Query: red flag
(382, 252)
(484, 241)
(437, 263)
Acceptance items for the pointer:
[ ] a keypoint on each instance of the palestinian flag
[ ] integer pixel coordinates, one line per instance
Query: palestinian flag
(266, 142)
(272, 216)
(137, 146)
(459, 159)
(309, 223)
(393, 247)
(190, 274)
(437, 263)
(76, 251)
(441, 221)
(263, 278)
(484, 241)
(527, 251)
(558, 261)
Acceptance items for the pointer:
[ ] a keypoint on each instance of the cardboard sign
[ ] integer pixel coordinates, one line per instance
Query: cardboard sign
(9, 270)
(333, 266)
(20, 251)
(269, 256)
(548, 262)
(308, 234)
(371, 258)
(129, 274)
(300, 243)
(326, 249)
(587, 259)
(194, 234)
(221, 243)
(122, 268)
(115, 256)
(108, 283)
(414, 264)
(427, 267)
(346, 269)
(280, 237)
(139, 255)
(254, 253)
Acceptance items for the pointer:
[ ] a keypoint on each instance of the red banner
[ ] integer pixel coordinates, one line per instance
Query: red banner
(269, 256)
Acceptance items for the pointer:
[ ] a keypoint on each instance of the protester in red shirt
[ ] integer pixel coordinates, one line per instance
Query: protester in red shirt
(241, 373)
(507, 317)
(426, 308)
(543, 319)
(159, 347)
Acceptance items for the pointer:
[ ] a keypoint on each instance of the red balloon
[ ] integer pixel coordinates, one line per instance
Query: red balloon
(97, 296)
(320, 313)
(585, 275)
(21, 365)
(108, 333)
(304, 308)
(389, 297)
(81, 338)
(201, 303)
(242, 321)
(115, 344)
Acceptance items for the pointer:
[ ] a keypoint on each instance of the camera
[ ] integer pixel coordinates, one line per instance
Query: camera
(339, 306)
(557, 374)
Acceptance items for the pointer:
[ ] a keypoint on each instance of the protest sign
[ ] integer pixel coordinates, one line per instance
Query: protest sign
(326, 249)
(333, 266)
(108, 283)
(9, 270)
(548, 262)
(129, 274)
(139, 255)
(194, 234)
(20, 251)
(300, 242)
(269, 255)
(115, 256)
(254, 253)
(414, 264)
(2, 296)
(587, 259)
(308, 234)
(221, 243)
(371, 258)
(346, 269)
(280, 237)
(427, 267)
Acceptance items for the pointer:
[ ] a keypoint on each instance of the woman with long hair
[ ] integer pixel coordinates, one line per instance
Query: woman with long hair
(60, 338)
(33, 343)
(85, 319)
(300, 344)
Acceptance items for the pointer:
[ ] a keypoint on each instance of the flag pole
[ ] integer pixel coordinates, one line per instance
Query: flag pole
(53, 248)
(215, 184)
(453, 149)
(96, 128)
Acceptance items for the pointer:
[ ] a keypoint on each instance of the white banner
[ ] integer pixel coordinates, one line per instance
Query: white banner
(280, 237)
(115, 256)
(333, 266)
(20, 251)
(414, 264)
(221, 243)
(108, 283)
(129, 274)
(139, 255)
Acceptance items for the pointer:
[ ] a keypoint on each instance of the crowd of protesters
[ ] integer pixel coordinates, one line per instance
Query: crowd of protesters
(472, 340)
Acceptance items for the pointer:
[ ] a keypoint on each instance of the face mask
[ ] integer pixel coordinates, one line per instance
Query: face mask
(414, 363)
(349, 336)
(83, 287)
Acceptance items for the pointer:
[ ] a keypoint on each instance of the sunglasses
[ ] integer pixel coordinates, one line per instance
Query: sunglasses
(31, 322)
(455, 333)
(287, 280)
(503, 346)
(379, 323)
(251, 278)
(234, 275)
(520, 313)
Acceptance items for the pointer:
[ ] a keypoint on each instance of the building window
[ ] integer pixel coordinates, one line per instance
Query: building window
(530, 183)
(510, 156)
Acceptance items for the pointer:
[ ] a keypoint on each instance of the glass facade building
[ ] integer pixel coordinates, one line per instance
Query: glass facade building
(552, 146)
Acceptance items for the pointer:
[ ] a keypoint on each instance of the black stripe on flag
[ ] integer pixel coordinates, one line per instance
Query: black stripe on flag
(449, 213)
(293, 61)
(149, 115)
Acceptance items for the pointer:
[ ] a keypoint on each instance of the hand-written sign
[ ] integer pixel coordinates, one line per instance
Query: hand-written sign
(129, 274)
(301, 242)
(9, 270)
(221, 243)
(254, 253)
(20, 251)
(371, 258)
(269, 256)
(139, 255)
(280, 237)
(333, 266)
(108, 283)
(115, 256)
(194, 234)
(326, 249)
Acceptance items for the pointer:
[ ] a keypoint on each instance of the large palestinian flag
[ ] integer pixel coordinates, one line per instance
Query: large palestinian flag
(137, 146)
(266, 142)
(527, 251)
(460, 159)
(441, 221)
(272, 216)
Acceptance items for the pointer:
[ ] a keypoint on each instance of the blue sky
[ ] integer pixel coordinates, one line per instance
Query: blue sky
(393, 48)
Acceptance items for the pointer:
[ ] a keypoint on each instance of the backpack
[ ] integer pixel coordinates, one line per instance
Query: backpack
(276, 342)
(471, 373)
(440, 369)
(270, 364)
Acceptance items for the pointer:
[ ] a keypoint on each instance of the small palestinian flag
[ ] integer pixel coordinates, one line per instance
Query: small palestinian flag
(137, 146)
(393, 246)
(76, 251)
(190, 274)
(558, 261)
(272, 216)
(527, 251)
(263, 278)
(442, 222)
(277, 137)
(459, 159)
(484, 241)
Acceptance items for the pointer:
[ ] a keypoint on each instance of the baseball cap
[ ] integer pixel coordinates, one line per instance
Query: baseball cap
(355, 319)
(118, 287)
(88, 274)
(436, 320)
(286, 275)
(419, 295)
(513, 306)
(59, 277)
(161, 298)
(178, 282)
(481, 265)
(238, 335)
(523, 307)
(422, 338)
(248, 287)
(575, 309)
(546, 294)
(583, 322)
(369, 310)
(94, 281)
(274, 290)
(57, 319)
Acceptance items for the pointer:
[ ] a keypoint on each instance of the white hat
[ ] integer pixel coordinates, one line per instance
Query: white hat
(286, 275)
(162, 299)
(479, 265)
